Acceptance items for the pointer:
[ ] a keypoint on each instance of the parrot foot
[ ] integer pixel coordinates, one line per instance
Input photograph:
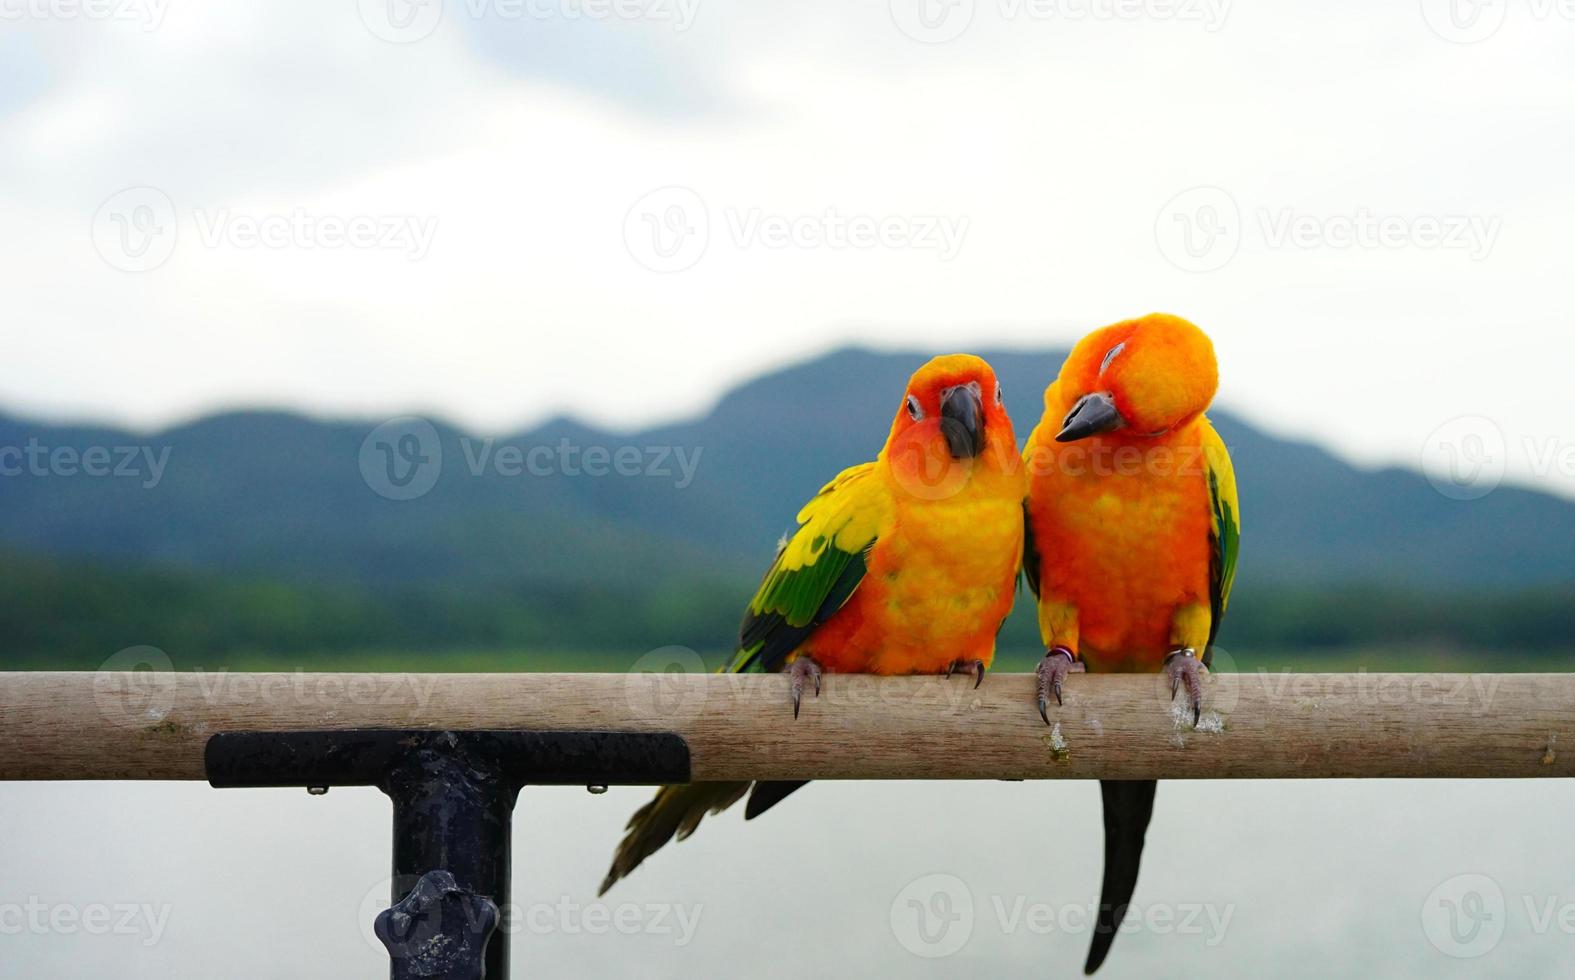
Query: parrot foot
(974, 667)
(803, 666)
(1052, 670)
(1184, 668)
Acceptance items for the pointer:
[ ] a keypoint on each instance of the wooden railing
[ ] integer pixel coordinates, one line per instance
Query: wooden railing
(453, 750)
(1266, 725)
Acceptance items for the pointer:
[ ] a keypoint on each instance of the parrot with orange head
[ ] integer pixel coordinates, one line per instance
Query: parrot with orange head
(1131, 543)
(903, 565)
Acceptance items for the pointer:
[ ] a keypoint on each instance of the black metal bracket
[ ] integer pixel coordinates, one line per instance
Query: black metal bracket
(453, 795)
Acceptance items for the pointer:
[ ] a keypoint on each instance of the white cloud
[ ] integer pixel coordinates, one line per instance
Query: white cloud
(1057, 142)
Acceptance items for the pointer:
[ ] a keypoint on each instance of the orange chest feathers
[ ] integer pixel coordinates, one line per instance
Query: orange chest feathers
(937, 587)
(1123, 534)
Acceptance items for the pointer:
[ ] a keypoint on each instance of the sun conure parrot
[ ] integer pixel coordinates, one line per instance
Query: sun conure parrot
(904, 565)
(1131, 542)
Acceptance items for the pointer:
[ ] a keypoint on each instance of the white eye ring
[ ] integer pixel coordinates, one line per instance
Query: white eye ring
(998, 394)
(915, 411)
(1110, 355)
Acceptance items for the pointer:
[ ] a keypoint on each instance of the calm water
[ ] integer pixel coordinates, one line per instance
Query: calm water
(894, 879)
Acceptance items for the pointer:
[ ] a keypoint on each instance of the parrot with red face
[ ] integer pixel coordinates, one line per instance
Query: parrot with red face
(1131, 540)
(904, 565)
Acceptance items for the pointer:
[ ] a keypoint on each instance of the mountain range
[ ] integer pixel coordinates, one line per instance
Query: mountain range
(565, 516)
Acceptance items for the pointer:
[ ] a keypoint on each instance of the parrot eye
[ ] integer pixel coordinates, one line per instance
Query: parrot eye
(998, 393)
(1110, 355)
(915, 412)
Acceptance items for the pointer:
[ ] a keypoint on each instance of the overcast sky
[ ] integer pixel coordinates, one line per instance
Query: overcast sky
(497, 210)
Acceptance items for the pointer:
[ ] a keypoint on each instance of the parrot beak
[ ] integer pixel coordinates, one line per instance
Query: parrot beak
(1094, 413)
(962, 422)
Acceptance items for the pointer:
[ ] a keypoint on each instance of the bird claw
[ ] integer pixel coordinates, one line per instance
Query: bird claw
(803, 666)
(1052, 670)
(974, 667)
(1183, 667)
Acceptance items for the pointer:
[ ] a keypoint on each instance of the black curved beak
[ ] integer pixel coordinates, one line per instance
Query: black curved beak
(962, 422)
(1093, 414)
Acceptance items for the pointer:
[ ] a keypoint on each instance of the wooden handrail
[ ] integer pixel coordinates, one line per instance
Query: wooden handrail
(154, 725)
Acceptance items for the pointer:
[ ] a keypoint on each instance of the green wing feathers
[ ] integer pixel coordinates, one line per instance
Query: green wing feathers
(1225, 526)
(674, 810)
(815, 572)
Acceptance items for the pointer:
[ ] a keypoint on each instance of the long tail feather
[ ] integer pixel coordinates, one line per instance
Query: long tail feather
(1128, 805)
(768, 794)
(674, 810)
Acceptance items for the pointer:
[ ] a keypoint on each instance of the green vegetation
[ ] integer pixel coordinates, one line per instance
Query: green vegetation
(264, 545)
(73, 616)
